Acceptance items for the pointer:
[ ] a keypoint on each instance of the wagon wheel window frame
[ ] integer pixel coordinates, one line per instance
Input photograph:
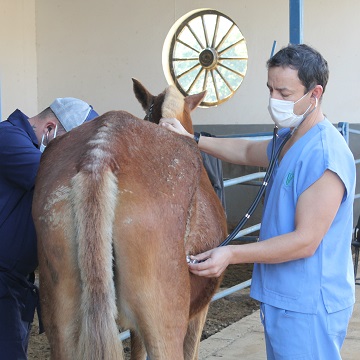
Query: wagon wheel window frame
(205, 50)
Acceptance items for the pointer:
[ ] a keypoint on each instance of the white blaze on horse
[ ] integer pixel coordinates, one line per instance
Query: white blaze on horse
(119, 202)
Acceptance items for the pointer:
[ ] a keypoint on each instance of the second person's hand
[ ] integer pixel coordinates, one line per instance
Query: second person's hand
(174, 125)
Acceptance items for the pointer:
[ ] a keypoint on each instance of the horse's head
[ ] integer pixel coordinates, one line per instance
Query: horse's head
(169, 104)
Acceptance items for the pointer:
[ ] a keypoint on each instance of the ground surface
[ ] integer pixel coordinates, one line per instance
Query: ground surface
(221, 314)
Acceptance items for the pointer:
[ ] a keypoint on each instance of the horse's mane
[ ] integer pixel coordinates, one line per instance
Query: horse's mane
(173, 103)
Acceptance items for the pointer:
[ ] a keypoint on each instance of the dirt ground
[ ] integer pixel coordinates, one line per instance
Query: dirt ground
(222, 313)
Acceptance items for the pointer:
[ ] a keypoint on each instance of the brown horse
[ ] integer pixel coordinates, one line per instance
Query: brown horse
(119, 202)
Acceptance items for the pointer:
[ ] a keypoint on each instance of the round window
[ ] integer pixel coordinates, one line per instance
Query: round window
(205, 50)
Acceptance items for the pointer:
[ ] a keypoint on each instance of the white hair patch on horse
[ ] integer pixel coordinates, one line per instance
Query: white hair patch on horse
(99, 141)
(100, 148)
(60, 194)
(173, 103)
(127, 220)
(98, 154)
(123, 191)
(54, 213)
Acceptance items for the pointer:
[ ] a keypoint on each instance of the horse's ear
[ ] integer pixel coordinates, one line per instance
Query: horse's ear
(142, 94)
(193, 101)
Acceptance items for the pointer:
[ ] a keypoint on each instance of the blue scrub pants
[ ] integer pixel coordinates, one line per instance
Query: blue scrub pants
(298, 336)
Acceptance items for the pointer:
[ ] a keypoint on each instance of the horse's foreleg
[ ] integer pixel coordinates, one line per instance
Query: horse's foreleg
(193, 335)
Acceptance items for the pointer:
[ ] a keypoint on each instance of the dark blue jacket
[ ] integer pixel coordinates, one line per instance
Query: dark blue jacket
(19, 162)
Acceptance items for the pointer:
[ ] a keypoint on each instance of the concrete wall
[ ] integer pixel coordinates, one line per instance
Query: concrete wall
(18, 76)
(91, 49)
(92, 52)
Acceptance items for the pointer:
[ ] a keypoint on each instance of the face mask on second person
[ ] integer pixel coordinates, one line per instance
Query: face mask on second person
(282, 112)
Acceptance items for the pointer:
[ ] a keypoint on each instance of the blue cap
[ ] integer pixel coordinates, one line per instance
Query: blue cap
(72, 112)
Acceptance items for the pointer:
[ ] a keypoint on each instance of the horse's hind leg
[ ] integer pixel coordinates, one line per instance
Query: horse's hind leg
(138, 351)
(161, 320)
(193, 335)
(59, 294)
(60, 333)
(165, 340)
(153, 292)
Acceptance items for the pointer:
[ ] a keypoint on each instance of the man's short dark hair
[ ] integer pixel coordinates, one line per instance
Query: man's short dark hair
(311, 66)
(46, 113)
(49, 114)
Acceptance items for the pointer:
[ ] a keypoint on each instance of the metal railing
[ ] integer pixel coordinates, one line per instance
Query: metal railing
(357, 161)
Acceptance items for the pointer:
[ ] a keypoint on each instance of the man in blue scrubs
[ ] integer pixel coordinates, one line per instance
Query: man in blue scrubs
(22, 141)
(303, 273)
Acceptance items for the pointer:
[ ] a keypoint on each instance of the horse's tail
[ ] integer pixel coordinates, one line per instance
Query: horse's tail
(93, 201)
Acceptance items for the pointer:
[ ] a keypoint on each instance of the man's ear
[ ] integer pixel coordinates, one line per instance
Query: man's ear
(317, 92)
(49, 127)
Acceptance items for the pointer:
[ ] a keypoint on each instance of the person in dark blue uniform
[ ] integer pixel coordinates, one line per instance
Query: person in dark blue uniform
(22, 141)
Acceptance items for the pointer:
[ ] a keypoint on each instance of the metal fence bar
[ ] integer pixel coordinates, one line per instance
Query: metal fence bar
(248, 230)
(124, 335)
(256, 137)
(357, 161)
(343, 127)
(354, 131)
(242, 179)
(231, 290)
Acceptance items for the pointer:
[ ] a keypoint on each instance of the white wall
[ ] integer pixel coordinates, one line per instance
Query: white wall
(18, 83)
(91, 49)
(92, 52)
(333, 28)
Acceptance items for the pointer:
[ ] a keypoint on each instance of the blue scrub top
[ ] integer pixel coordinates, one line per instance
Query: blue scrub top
(327, 275)
(19, 162)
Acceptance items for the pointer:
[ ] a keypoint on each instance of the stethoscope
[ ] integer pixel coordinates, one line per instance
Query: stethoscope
(273, 159)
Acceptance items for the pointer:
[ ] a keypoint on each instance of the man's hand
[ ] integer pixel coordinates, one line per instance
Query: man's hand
(211, 263)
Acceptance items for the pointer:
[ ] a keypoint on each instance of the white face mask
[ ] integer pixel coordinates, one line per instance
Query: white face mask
(42, 145)
(282, 112)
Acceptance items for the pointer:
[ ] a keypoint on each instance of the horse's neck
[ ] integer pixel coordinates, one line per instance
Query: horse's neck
(187, 124)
